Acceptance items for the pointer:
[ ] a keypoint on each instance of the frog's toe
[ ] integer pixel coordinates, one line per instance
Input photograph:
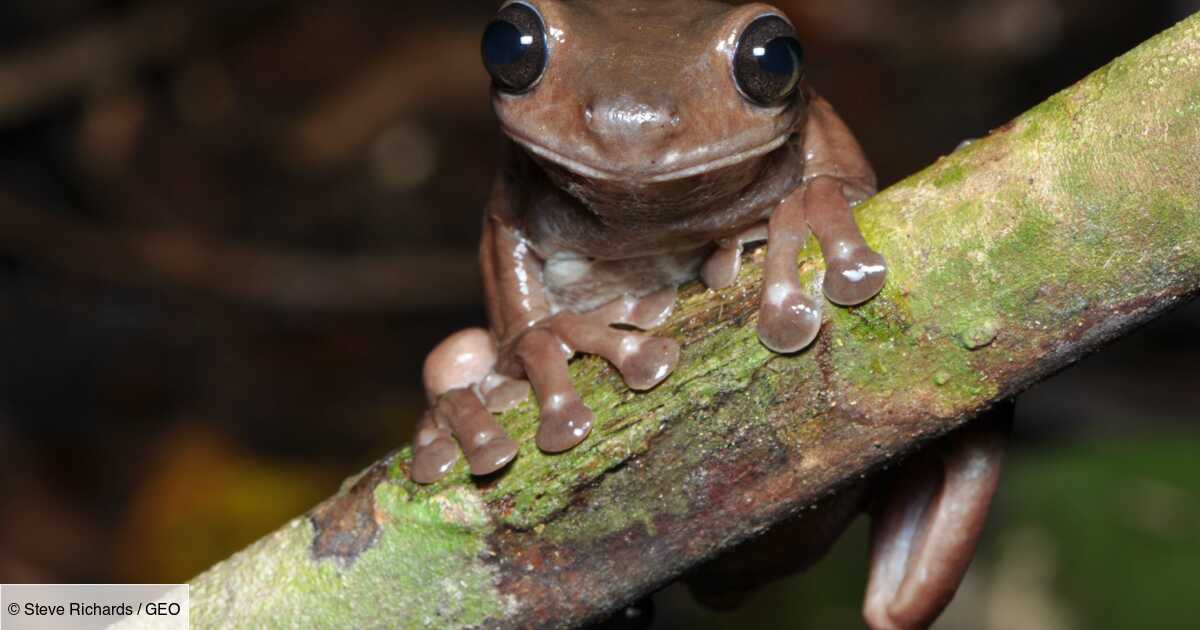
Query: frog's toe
(492, 456)
(856, 278)
(643, 361)
(486, 445)
(648, 360)
(501, 393)
(433, 460)
(788, 320)
(720, 269)
(564, 426)
(652, 310)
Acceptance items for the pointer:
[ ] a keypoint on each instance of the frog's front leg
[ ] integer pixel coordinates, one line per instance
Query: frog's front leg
(643, 361)
(532, 346)
(469, 374)
(788, 319)
(837, 173)
(854, 272)
(462, 376)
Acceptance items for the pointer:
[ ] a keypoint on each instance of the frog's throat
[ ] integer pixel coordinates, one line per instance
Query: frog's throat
(592, 172)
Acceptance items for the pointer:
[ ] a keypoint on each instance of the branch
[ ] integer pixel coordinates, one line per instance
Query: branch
(1010, 259)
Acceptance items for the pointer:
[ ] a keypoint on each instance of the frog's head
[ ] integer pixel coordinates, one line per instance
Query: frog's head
(640, 94)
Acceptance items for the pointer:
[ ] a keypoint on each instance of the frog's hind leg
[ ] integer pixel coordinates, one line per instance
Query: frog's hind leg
(854, 272)
(924, 531)
(452, 374)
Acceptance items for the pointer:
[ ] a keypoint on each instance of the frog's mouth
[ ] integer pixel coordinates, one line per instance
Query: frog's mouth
(678, 196)
(640, 174)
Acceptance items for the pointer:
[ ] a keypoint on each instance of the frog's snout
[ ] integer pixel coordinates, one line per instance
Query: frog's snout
(624, 118)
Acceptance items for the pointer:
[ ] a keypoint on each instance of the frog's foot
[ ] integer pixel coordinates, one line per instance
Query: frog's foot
(459, 413)
(854, 278)
(453, 373)
(643, 361)
(721, 268)
(565, 421)
(434, 451)
(465, 386)
(484, 443)
(642, 313)
(924, 532)
(854, 272)
(501, 393)
(788, 319)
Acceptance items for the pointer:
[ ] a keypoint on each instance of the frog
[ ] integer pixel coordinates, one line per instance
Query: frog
(645, 144)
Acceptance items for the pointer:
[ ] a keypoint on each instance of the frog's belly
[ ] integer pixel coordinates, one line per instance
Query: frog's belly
(578, 283)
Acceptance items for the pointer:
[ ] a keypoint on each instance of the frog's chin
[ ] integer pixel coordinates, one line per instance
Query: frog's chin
(641, 174)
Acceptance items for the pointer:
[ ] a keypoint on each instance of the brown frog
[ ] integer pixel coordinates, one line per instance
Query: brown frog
(646, 142)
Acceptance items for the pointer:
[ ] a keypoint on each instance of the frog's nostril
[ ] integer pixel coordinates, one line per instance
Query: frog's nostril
(626, 116)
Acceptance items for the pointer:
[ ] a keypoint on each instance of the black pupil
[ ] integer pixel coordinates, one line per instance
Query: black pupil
(779, 56)
(503, 43)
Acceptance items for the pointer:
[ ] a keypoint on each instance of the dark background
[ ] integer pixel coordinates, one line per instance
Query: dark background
(230, 231)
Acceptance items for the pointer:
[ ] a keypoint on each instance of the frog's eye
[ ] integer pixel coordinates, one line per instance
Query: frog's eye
(768, 62)
(514, 48)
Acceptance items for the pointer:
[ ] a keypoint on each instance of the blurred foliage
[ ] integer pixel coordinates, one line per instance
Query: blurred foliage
(203, 498)
(1098, 535)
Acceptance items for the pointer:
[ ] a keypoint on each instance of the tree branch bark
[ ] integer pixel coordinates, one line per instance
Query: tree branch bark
(1010, 259)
